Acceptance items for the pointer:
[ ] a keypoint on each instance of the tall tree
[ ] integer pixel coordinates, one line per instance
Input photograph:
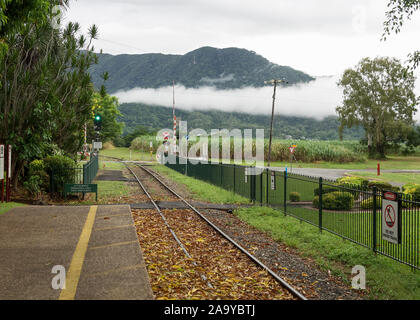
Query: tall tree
(14, 14)
(46, 91)
(398, 12)
(107, 107)
(378, 95)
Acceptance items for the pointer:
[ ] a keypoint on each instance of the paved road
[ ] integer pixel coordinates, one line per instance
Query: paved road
(97, 246)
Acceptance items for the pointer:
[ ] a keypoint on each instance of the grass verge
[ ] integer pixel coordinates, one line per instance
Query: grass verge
(390, 177)
(124, 154)
(109, 165)
(386, 279)
(391, 163)
(4, 207)
(200, 190)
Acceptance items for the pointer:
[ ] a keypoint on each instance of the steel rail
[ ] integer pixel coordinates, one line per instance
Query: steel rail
(286, 285)
(203, 277)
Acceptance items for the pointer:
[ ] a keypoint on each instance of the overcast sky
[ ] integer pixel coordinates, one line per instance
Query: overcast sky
(319, 37)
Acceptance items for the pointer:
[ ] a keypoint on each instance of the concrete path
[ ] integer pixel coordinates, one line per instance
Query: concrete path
(97, 246)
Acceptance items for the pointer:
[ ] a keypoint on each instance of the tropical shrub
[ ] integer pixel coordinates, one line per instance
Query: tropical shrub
(62, 170)
(335, 201)
(368, 203)
(37, 173)
(294, 196)
(33, 185)
(348, 180)
(381, 185)
(325, 190)
(412, 190)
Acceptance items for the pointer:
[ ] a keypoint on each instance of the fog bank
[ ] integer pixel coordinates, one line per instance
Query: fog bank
(316, 99)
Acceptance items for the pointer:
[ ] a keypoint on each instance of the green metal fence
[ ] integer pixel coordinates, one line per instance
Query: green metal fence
(359, 221)
(90, 170)
(74, 175)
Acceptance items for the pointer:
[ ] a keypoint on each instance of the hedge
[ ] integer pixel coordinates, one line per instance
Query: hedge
(335, 201)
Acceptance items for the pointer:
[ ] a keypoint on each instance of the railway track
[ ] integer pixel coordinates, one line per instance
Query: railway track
(286, 286)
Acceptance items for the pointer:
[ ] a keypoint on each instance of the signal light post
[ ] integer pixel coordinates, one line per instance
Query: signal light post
(97, 123)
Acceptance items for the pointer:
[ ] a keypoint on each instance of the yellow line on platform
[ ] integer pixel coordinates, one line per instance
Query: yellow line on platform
(73, 275)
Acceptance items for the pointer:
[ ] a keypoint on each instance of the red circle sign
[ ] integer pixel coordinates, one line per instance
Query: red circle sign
(390, 216)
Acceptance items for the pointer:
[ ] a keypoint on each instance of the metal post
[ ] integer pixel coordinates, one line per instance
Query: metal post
(320, 204)
(267, 186)
(285, 192)
(186, 166)
(261, 188)
(221, 173)
(234, 178)
(375, 205)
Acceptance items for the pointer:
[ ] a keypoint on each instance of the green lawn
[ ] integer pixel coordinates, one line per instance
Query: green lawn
(386, 279)
(4, 207)
(107, 189)
(109, 165)
(390, 177)
(200, 190)
(124, 154)
(391, 163)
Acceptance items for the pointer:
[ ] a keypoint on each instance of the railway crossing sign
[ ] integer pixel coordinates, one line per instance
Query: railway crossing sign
(292, 149)
(391, 222)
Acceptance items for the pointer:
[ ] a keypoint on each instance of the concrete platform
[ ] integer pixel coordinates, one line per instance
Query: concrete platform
(97, 246)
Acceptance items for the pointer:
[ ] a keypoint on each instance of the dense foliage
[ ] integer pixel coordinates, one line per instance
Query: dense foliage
(139, 131)
(155, 118)
(14, 14)
(107, 107)
(335, 201)
(41, 171)
(221, 68)
(46, 94)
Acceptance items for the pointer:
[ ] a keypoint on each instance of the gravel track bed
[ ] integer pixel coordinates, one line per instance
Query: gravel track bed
(173, 276)
(298, 271)
(155, 189)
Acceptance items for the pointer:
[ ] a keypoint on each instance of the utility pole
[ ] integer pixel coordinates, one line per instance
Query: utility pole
(173, 118)
(275, 82)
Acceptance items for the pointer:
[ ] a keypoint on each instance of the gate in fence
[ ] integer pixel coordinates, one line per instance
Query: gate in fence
(76, 179)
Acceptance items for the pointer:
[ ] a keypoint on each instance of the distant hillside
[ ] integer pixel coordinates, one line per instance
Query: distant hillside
(157, 118)
(228, 68)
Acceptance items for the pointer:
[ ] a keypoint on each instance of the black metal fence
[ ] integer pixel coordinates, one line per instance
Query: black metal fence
(349, 211)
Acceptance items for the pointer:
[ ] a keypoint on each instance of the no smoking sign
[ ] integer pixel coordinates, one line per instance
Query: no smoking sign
(390, 218)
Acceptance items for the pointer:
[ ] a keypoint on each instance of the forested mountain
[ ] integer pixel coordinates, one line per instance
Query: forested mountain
(228, 68)
(157, 118)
